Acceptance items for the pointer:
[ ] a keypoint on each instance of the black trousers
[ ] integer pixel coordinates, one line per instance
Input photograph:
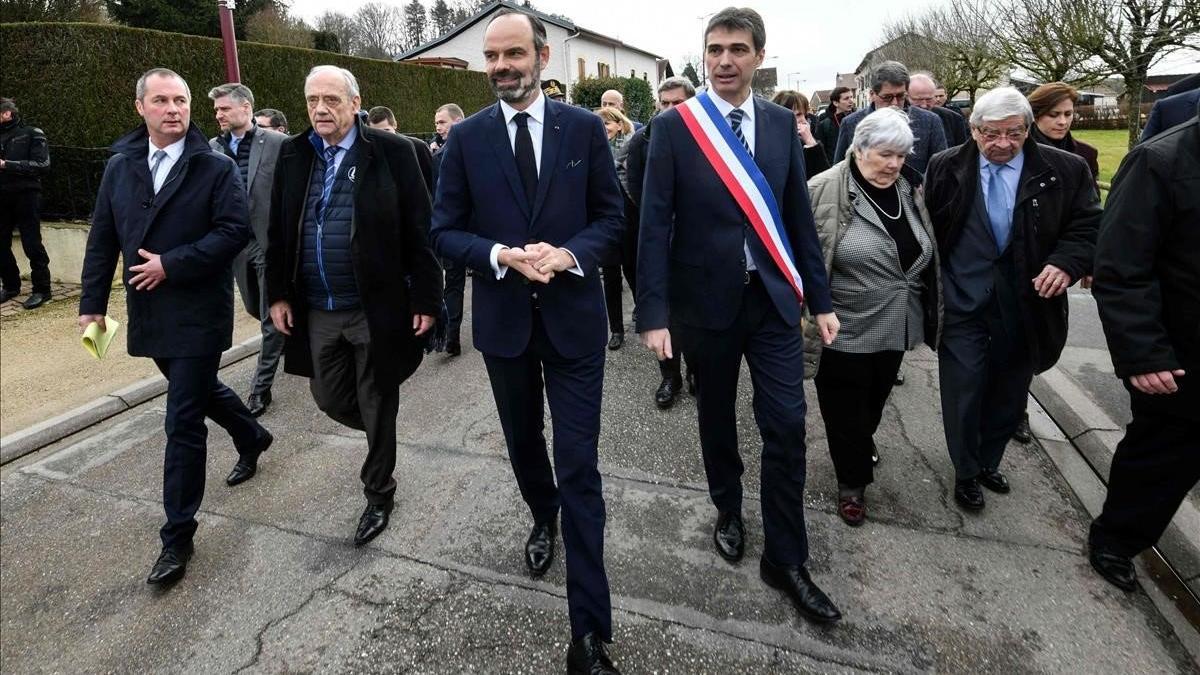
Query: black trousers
(573, 388)
(775, 353)
(456, 283)
(852, 390)
(984, 369)
(193, 393)
(344, 387)
(20, 214)
(1154, 467)
(613, 292)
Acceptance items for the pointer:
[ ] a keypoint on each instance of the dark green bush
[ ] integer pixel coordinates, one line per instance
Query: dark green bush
(76, 80)
(639, 98)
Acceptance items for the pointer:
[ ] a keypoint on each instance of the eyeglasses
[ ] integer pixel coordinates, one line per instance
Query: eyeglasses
(993, 135)
(891, 98)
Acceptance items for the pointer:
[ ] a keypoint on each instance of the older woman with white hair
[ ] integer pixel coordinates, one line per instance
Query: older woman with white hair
(883, 275)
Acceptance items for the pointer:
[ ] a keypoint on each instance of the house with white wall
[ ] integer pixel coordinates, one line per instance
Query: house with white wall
(576, 53)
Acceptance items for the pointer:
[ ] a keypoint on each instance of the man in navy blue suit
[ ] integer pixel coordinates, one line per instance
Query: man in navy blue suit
(726, 281)
(1170, 112)
(528, 198)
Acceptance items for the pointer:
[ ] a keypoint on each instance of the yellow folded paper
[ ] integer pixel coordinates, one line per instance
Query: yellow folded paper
(96, 341)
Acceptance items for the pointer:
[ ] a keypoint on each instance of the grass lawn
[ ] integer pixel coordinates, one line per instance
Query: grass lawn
(1112, 144)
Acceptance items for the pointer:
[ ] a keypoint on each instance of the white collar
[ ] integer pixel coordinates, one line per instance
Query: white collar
(536, 110)
(174, 150)
(725, 107)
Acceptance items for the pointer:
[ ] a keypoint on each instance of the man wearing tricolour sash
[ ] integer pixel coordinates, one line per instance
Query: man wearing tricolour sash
(728, 255)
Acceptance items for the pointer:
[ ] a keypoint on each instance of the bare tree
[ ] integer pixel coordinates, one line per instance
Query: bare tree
(341, 26)
(272, 25)
(379, 31)
(1131, 36)
(1047, 39)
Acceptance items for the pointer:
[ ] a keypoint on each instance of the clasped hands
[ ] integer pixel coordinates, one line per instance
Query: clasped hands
(537, 262)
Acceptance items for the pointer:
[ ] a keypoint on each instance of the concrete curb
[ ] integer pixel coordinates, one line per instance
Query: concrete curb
(40, 435)
(1095, 435)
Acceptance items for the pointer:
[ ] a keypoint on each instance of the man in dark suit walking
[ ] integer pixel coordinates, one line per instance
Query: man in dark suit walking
(176, 212)
(528, 199)
(350, 277)
(255, 150)
(728, 255)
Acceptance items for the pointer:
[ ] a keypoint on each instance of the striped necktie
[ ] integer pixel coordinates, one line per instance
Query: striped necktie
(735, 120)
(330, 173)
(159, 156)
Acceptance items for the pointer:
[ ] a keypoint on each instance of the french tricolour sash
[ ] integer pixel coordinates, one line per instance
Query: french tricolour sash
(744, 180)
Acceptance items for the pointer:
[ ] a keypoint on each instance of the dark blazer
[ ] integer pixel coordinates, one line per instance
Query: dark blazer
(691, 265)
(953, 124)
(1055, 221)
(480, 202)
(394, 268)
(197, 222)
(1169, 112)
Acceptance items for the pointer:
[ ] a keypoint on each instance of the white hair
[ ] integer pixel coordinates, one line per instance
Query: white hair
(351, 82)
(1000, 104)
(886, 129)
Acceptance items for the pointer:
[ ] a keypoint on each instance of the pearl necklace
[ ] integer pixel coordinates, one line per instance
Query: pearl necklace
(878, 208)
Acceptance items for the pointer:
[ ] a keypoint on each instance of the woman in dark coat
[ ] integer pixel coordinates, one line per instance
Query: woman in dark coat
(815, 160)
(1053, 106)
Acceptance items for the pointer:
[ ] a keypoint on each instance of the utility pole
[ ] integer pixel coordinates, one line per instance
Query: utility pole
(233, 73)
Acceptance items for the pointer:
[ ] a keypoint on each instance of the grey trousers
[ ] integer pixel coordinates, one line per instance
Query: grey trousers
(343, 385)
(250, 273)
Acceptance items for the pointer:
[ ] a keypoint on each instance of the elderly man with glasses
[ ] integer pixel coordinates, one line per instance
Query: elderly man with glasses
(889, 88)
(1016, 225)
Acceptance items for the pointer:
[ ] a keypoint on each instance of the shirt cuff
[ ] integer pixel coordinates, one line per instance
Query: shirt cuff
(576, 270)
(495, 260)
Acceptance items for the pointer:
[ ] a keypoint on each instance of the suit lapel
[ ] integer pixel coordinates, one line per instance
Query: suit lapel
(763, 149)
(256, 142)
(504, 154)
(551, 140)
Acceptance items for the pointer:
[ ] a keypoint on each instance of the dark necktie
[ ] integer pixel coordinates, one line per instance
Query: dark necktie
(158, 157)
(735, 120)
(526, 162)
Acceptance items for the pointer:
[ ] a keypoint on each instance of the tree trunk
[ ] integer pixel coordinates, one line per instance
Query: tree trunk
(1134, 84)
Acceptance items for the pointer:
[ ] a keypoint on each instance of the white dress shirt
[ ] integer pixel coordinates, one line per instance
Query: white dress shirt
(174, 152)
(537, 125)
(747, 108)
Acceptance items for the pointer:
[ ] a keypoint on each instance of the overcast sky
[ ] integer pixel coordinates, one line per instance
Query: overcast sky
(807, 42)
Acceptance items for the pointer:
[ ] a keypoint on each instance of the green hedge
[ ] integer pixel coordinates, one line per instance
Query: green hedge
(639, 98)
(76, 80)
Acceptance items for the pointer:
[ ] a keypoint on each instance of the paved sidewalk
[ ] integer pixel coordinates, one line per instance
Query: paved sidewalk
(58, 291)
(277, 586)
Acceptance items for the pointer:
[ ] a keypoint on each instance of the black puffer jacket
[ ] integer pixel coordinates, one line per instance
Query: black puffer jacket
(1054, 223)
(26, 156)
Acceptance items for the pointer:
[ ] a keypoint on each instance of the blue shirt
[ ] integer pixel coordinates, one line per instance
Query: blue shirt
(1012, 179)
(345, 144)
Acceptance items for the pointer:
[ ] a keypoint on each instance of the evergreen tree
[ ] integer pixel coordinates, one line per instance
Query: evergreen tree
(194, 17)
(415, 22)
(441, 18)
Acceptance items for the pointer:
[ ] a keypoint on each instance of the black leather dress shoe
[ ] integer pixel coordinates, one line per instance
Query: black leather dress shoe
(691, 383)
(36, 300)
(615, 341)
(1116, 569)
(794, 581)
(247, 464)
(7, 295)
(258, 403)
(453, 348)
(374, 520)
(664, 397)
(587, 656)
(968, 495)
(1023, 434)
(994, 480)
(171, 564)
(729, 536)
(539, 548)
